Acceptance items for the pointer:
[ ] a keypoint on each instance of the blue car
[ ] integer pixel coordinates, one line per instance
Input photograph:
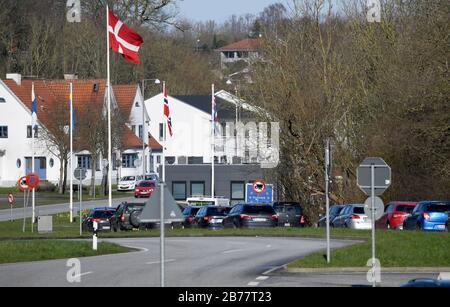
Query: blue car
(429, 216)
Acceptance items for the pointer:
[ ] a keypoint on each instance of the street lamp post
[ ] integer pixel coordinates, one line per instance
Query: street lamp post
(144, 158)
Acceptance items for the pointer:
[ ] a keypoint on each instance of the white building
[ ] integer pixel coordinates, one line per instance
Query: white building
(15, 128)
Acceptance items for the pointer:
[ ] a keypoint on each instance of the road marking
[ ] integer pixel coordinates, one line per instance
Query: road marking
(159, 262)
(141, 249)
(83, 274)
(262, 278)
(253, 284)
(273, 269)
(233, 251)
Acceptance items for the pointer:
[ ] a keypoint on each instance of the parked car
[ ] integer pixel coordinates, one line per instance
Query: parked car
(395, 214)
(127, 216)
(152, 177)
(144, 189)
(189, 215)
(427, 283)
(251, 216)
(334, 212)
(128, 183)
(353, 217)
(429, 216)
(100, 215)
(211, 217)
(290, 214)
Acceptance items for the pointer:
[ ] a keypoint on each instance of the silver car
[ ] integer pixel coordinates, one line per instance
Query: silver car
(353, 217)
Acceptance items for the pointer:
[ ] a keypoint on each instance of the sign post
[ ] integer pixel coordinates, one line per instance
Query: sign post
(374, 178)
(80, 174)
(11, 203)
(327, 195)
(162, 236)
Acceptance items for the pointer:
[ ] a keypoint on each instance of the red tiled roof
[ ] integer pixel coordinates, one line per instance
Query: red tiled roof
(125, 95)
(154, 145)
(248, 44)
(130, 140)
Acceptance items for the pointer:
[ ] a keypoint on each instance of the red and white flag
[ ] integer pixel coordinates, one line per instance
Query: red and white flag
(123, 40)
(167, 111)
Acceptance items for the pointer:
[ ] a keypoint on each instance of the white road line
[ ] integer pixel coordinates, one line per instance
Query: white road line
(83, 274)
(233, 251)
(262, 278)
(253, 284)
(141, 249)
(273, 269)
(158, 262)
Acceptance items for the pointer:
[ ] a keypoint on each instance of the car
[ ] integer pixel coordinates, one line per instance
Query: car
(211, 217)
(353, 217)
(127, 216)
(427, 283)
(290, 214)
(251, 216)
(128, 183)
(189, 214)
(145, 189)
(395, 214)
(152, 177)
(334, 212)
(100, 215)
(429, 216)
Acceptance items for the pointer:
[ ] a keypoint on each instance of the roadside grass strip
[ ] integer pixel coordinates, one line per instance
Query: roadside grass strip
(39, 250)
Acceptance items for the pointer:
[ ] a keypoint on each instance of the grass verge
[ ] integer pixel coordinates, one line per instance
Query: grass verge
(394, 250)
(38, 250)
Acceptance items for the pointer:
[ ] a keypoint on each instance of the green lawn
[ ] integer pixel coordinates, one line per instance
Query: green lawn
(394, 249)
(38, 250)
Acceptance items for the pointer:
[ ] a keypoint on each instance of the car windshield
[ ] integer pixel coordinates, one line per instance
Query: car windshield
(135, 208)
(358, 210)
(218, 211)
(147, 184)
(102, 214)
(335, 210)
(407, 209)
(129, 178)
(259, 209)
(438, 208)
(190, 211)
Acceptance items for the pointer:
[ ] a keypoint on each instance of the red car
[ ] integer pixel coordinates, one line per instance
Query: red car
(144, 189)
(394, 215)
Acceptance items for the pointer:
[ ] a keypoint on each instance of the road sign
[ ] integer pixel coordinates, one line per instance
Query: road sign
(254, 198)
(80, 174)
(23, 184)
(259, 187)
(382, 176)
(33, 181)
(379, 207)
(11, 199)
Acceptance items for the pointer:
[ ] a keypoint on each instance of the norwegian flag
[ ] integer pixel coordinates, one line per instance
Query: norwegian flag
(123, 40)
(167, 111)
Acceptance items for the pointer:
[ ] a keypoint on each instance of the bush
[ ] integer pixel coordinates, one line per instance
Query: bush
(46, 187)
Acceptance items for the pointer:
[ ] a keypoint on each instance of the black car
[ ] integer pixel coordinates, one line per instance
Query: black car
(334, 212)
(211, 217)
(189, 215)
(101, 216)
(127, 216)
(251, 216)
(290, 214)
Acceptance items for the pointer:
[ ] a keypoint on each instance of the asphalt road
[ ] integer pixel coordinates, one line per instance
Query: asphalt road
(54, 209)
(193, 262)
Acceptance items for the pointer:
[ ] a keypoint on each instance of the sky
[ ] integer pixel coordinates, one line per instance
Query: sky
(220, 10)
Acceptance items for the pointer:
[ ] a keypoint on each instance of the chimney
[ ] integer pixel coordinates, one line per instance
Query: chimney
(16, 77)
(71, 77)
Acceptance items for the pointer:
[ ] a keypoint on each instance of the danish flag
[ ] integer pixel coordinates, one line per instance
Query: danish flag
(167, 111)
(123, 40)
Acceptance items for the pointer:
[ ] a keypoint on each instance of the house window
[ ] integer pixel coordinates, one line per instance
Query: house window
(237, 190)
(84, 161)
(2, 100)
(161, 132)
(36, 132)
(133, 128)
(141, 132)
(195, 160)
(179, 190)
(158, 159)
(128, 160)
(197, 188)
(3, 132)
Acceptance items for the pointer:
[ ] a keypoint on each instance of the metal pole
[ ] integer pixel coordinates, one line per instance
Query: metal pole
(213, 145)
(327, 197)
(143, 130)
(165, 140)
(24, 211)
(32, 170)
(81, 208)
(109, 112)
(71, 152)
(373, 225)
(162, 238)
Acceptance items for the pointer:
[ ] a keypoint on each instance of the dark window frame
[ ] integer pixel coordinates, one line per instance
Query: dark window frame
(231, 190)
(174, 183)
(4, 132)
(197, 182)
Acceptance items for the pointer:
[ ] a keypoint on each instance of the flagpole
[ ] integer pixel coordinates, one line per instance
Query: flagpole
(33, 201)
(213, 145)
(108, 85)
(164, 138)
(71, 153)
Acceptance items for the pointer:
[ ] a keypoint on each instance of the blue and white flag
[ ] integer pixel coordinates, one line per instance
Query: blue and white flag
(33, 108)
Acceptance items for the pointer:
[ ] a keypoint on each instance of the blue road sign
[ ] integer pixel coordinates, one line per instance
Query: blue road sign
(253, 198)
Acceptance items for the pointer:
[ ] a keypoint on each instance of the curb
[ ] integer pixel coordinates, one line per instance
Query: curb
(364, 270)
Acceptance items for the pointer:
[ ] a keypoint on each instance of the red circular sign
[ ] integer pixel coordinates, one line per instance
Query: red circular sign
(33, 181)
(22, 183)
(259, 186)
